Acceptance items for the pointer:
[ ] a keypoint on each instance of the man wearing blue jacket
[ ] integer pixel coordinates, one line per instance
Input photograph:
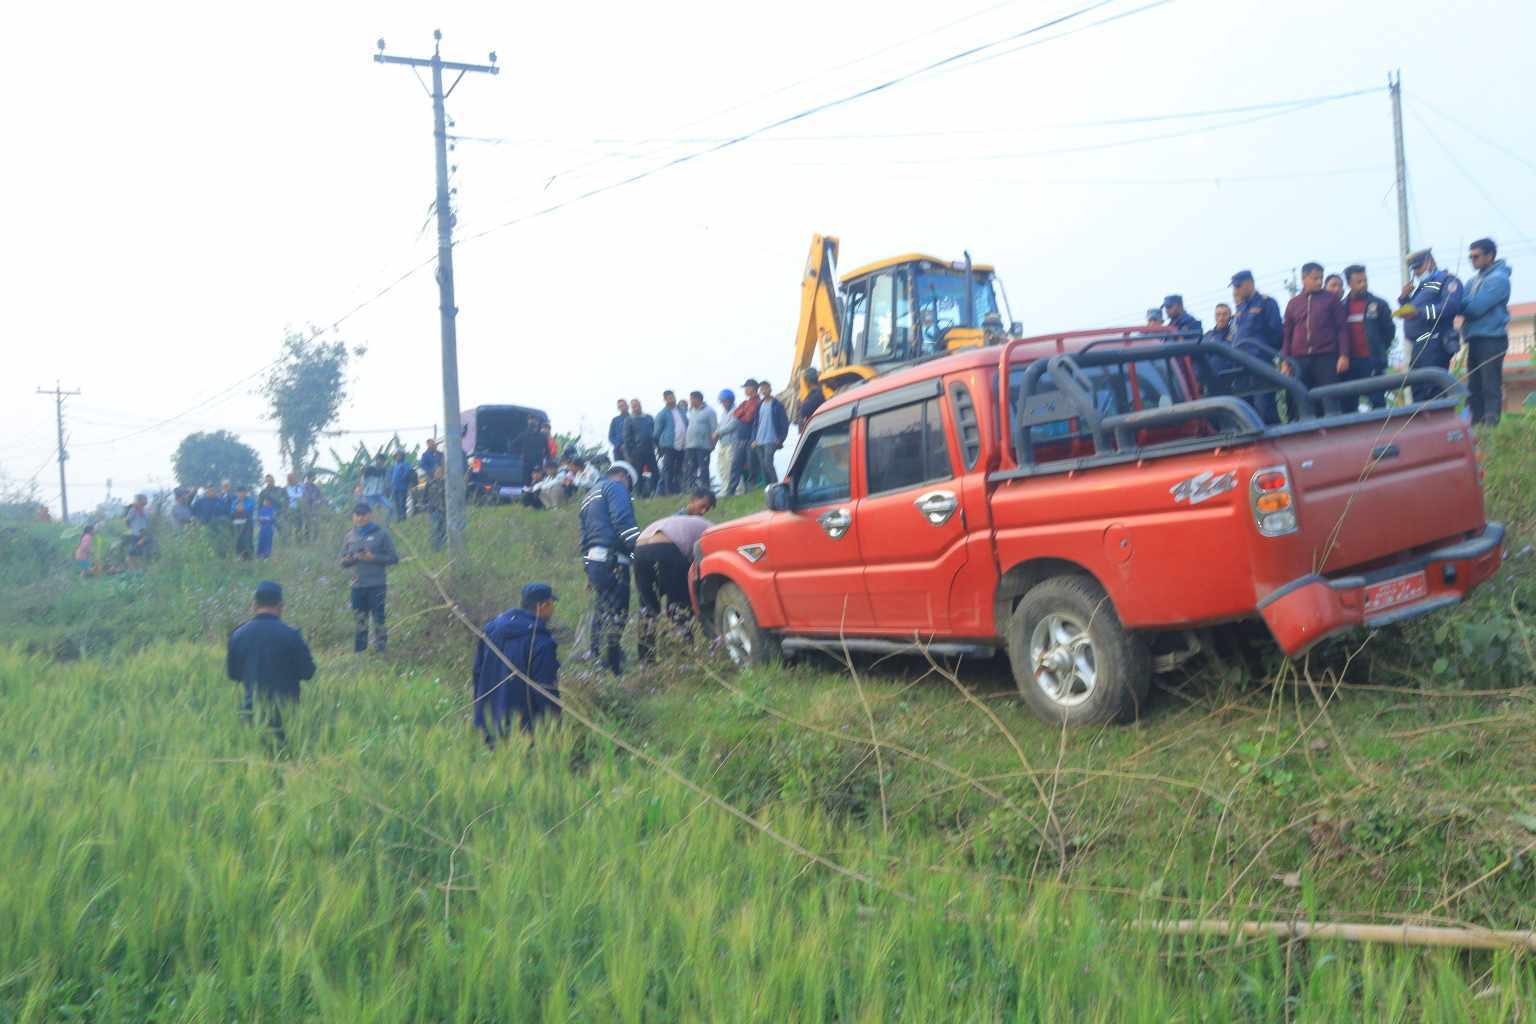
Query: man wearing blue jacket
(519, 637)
(616, 431)
(1485, 327)
(1428, 309)
(270, 658)
(1259, 330)
(608, 535)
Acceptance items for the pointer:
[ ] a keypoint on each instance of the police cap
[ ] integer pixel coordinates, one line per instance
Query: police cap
(538, 593)
(1241, 276)
(1172, 300)
(1416, 259)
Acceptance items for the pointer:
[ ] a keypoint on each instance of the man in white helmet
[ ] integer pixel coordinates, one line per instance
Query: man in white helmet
(608, 535)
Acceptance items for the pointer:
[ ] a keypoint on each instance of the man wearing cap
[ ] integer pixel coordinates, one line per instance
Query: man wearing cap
(608, 535)
(1181, 320)
(1155, 318)
(368, 550)
(517, 649)
(727, 430)
(270, 657)
(1259, 330)
(1429, 304)
(742, 470)
(663, 555)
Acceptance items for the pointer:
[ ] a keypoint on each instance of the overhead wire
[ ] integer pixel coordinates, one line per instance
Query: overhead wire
(1420, 101)
(801, 115)
(1471, 178)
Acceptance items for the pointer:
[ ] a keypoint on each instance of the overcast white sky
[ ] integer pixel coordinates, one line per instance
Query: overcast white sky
(184, 184)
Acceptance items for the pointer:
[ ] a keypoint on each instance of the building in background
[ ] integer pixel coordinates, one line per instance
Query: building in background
(1519, 369)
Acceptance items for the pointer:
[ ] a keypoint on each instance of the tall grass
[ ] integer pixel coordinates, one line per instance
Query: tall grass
(164, 863)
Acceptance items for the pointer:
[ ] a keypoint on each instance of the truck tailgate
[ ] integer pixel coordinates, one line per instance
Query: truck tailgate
(1367, 491)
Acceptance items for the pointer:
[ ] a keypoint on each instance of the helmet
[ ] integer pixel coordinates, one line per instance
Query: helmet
(628, 470)
(727, 395)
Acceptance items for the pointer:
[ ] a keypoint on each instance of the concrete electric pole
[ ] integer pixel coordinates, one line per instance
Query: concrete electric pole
(59, 394)
(1395, 87)
(453, 483)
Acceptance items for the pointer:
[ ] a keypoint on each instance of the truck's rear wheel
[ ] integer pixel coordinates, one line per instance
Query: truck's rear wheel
(744, 641)
(1073, 662)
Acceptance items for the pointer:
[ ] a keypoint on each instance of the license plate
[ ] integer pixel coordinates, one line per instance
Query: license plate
(1393, 592)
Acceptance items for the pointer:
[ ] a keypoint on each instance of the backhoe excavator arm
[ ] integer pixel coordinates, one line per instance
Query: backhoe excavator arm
(820, 314)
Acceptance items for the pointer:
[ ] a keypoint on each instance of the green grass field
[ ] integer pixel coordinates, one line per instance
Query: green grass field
(915, 846)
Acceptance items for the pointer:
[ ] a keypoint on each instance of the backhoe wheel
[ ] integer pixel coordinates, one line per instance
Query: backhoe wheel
(744, 641)
(1073, 662)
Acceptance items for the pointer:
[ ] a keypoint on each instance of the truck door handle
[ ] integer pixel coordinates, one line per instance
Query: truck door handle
(836, 522)
(1385, 451)
(937, 506)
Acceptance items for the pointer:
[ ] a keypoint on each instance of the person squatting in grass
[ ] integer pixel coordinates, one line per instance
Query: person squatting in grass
(270, 658)
(522, 636)
(663, 555)
(608, 535)
(368, 550)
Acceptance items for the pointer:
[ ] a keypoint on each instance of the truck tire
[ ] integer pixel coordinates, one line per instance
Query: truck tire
(1073, 662)
(743, 640)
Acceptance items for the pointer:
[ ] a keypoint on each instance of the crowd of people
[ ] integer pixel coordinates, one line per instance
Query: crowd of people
(671, 450)
(1335, 329)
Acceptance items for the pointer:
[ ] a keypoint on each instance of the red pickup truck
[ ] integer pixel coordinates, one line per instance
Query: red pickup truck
(1072, 499)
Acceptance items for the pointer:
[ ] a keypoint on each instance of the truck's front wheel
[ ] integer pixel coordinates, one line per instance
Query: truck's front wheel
(1073, 661)
(736, 626)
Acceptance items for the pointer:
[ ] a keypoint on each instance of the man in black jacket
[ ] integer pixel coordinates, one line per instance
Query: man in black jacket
(1371, 330)
(640, 448)
(616, 431)
(270, 657)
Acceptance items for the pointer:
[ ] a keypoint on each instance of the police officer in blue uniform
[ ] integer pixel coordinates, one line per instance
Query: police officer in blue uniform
(1181, 320)
(608, 535)
(1430, 303)
(1258, 330)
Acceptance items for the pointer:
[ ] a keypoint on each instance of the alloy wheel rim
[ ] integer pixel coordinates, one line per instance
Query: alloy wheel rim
(1065, 662)
(737, 643)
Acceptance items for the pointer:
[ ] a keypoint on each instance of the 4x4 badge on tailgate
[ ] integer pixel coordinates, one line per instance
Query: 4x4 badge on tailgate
(1203, 487)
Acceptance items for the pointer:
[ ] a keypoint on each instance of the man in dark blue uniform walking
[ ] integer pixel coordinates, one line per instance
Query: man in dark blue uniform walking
(608, 535)
(1428, 311)
(520, 637)
(1259, 330)
(270, 657)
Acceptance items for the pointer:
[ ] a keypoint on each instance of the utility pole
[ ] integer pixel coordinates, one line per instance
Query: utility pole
(453, 483)
(59, 394)
(1395, 87)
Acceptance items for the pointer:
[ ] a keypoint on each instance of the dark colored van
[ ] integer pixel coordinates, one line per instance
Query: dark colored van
(494, 438)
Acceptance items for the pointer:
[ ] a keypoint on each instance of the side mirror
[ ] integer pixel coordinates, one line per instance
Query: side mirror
(778, 497)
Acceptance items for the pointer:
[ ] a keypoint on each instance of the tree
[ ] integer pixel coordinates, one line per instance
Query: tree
(214, 456)
(306, 390)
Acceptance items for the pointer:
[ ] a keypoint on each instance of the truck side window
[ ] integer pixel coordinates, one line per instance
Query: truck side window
(906, 447)
(823, 472)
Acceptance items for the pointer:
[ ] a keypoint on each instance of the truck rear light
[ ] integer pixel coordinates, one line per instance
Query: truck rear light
(1270, 480)
(474, 465)
(1274, 506)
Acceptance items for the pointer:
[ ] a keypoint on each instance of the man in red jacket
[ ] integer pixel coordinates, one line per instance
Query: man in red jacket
(1316, 336)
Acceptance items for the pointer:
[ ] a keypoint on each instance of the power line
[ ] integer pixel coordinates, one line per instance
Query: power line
(1283, 105)
(59, 394)
(791, 119)
(1421, 102)
(1468, 175)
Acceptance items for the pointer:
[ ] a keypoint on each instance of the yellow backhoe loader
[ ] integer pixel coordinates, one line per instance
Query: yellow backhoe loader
(890, 314)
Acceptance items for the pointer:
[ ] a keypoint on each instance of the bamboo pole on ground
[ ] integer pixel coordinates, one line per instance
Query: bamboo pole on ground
(1332, 931)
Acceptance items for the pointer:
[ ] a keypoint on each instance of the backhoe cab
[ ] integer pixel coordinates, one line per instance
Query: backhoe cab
(891, 314)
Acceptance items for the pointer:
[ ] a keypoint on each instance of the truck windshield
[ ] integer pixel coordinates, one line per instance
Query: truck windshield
(940, 296)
